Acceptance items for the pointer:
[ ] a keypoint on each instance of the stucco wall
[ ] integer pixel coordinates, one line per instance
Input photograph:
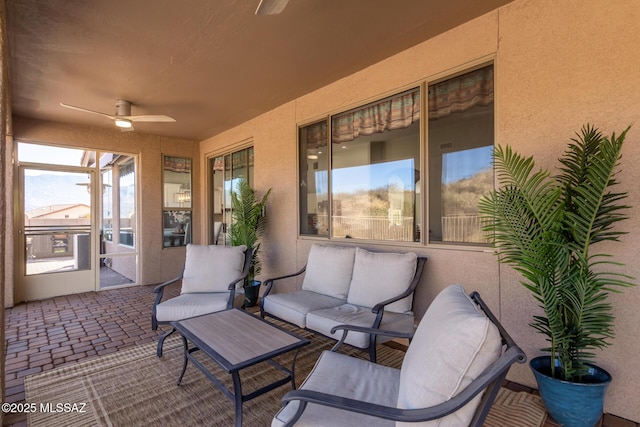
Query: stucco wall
(558, 66)
(156, 264)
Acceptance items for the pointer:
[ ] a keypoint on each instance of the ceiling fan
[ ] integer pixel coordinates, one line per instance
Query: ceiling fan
(123, 118)
(271, 7)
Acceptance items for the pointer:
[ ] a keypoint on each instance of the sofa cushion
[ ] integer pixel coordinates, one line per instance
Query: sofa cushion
(453, 344)
(211, 268)
(190, 305)
(380, 276)
(345, 376)
(294, 306)
(329, 270)
(323, 320)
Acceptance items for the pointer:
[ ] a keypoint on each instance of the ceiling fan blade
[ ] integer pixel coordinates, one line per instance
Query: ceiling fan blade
(271, 7)
(149, 118)
(73, 107)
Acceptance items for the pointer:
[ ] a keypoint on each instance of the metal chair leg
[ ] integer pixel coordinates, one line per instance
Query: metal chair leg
(161, 341)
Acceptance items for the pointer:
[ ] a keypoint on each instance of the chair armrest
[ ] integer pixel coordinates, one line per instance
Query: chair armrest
(495, 372)
(245, 272)
(411, 289)
(373, 331)
(160, 288)
(270, 282)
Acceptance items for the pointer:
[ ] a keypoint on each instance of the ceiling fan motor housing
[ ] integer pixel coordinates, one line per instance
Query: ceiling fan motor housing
(123, 108)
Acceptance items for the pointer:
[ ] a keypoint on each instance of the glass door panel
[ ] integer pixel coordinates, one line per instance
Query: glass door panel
(56, 233)
(118, 247)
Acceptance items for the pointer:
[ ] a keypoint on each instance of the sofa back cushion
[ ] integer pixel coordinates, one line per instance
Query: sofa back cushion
(453, 344)
(380, 276)
(211, 268)
(329, 270)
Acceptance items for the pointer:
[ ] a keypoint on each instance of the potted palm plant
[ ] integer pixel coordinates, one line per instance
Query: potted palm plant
(247, 227)
(548, 227)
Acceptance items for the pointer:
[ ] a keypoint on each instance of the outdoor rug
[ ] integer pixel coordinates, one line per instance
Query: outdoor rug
(135, 388)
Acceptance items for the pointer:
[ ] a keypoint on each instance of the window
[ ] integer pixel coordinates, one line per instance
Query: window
(460, 155)
(360, 170)
(118, 252)
(226, 170)
(107, 205)
(176, 181)
(314, 180)
(374, 172)
(127, 202)
(118, 180)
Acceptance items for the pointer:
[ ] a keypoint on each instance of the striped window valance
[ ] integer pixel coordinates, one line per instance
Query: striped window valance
(454, 95)
(177, 164)
(237, 160)
(461, 93)
(396, 112)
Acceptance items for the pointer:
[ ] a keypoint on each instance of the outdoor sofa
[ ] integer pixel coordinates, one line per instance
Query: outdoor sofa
(349, 285)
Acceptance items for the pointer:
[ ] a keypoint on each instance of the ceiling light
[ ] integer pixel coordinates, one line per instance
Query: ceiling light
(312, 157)
(123, 123)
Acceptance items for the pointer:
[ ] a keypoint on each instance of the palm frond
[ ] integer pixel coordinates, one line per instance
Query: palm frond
(544, 227)
(249, 221)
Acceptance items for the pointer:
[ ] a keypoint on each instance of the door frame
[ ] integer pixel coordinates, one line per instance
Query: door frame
(41, 286)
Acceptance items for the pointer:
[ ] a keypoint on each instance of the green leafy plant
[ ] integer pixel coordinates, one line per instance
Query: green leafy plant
(546, 227)
(249, 222)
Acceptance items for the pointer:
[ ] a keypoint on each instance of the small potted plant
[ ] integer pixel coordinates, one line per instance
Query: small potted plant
(547, 228)
(248, 224)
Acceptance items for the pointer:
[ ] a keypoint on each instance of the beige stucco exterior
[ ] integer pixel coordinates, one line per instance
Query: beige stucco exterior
(558, 66)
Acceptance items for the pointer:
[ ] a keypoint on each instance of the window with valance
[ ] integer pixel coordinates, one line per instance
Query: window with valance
(461, 139)
(360, 170)
(177, 204)
(373, 166)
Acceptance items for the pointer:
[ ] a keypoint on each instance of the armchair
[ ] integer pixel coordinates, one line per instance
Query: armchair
(210, 278)
(455, 364)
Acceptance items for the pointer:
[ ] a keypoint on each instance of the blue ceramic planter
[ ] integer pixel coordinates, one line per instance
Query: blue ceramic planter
(571, 404)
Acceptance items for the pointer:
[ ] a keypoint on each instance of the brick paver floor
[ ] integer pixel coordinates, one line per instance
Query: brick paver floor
(42, 335)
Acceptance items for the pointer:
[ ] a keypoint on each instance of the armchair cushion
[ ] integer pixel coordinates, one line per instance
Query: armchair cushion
(211, 268)
(329, 270)
(189, 305)
(380, 276)
(453, 344)
(368, 382)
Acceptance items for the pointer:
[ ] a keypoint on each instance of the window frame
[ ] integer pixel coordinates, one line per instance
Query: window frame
(179, 193)
(218, 236)
(423, 187)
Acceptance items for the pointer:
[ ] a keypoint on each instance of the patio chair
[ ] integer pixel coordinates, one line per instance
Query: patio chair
(452, 371)
(210, 278)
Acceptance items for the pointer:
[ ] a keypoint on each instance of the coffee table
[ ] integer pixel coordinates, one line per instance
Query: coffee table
(235, 340)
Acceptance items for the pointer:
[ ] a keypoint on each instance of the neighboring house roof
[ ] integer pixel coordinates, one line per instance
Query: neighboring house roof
(56, 209)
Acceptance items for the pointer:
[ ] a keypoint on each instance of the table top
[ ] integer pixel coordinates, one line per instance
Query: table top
(237, 339)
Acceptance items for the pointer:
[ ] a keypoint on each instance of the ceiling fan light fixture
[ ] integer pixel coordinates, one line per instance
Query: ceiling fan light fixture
(123, 123)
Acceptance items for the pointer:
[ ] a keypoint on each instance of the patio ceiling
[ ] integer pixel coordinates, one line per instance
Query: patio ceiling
(210, 64)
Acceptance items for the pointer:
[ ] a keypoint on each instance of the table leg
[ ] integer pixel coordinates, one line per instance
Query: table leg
(237, 392)
(186, 359)
(293, 370)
